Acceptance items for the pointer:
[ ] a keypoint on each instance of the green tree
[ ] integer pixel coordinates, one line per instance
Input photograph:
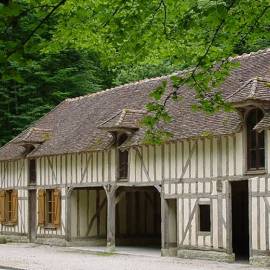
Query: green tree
(129, 36)
(32, 83)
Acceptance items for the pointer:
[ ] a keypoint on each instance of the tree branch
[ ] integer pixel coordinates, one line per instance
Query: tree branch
(114, 13)
(21, 45)
(165, 18)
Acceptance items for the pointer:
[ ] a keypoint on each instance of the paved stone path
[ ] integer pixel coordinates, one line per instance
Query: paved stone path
(32, 257)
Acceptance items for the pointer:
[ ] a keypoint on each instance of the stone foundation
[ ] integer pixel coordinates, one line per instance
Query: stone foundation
(51, 241)
(262, 261)
(205, 255)
(84, 242)
(14, 238)
(169, 252)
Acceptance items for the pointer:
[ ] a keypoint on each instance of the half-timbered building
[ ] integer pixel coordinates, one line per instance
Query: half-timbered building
(83, 173)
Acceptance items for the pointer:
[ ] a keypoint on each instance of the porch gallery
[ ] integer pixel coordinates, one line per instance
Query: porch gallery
(83, 174)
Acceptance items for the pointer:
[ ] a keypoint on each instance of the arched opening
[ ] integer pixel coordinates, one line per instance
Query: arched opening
(88, 216)
(138, 217)
(255, 141)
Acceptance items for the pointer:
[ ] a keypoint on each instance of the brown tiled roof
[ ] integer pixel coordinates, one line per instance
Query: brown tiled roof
(74, 123)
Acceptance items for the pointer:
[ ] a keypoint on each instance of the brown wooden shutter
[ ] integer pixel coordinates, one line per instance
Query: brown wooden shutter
(2, 206)
(14, 207)
(41, 207)
(57, 207)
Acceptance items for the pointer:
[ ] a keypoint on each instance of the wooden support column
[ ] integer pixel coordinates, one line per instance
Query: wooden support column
(111, 205)
(164, 223)
(68, 213)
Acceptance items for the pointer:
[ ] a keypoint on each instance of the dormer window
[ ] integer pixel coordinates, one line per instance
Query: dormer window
(255, 141)
(122, 158)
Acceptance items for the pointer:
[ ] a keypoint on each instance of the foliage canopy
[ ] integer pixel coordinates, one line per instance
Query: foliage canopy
(53, 49)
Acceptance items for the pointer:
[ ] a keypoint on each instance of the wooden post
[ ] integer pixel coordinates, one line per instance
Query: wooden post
(68, 213)
(164, 223)
(32, 226)
(111, 205)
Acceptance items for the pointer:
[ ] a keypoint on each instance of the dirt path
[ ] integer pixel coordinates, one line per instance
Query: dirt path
(32, 257)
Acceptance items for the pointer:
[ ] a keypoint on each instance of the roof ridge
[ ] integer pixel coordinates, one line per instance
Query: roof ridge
(245, 55)
(180, 72)
(127, 84)
(41, 129)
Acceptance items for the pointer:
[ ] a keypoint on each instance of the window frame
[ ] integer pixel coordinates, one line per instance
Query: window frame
(49, 208)
(10, 211)
(200, 204)
(257, 148)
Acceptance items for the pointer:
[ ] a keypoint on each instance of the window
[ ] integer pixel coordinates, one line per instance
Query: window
(122, 159)
(204, 218)
(255, 141)
(9, 204)
(9, 207)
(49, 208)
(32, 171)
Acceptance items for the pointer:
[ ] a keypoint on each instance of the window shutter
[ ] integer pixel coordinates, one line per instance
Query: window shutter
(57, 207)
(2, 206)
(41, 207)
(14, 207)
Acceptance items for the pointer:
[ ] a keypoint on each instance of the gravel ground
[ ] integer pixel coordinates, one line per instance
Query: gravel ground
(32, 257)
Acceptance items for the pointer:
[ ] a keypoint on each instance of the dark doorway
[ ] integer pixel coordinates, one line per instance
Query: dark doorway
(32, 215)
(172, 223)
(240, 220)
(138, 217)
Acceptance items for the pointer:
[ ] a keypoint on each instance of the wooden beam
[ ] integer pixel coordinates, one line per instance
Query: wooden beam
(158, 188)
(120, 197)
(51, 166)
(111, 205)
(189, 221)
(143, 165)
(164, 220)
(20, 174)
(188, 160)
(96, 215)
(89, 158)
(97, 211)
(68, 213)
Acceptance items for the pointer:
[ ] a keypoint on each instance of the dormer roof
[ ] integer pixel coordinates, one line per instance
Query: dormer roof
(124, 119)
(264, 123)
(255, 89)
(33, 136)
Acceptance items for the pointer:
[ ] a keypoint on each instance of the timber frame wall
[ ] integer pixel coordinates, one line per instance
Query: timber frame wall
(190, 171)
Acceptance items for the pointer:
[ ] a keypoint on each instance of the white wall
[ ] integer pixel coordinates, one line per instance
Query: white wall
(13, 175)
(203, 158)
